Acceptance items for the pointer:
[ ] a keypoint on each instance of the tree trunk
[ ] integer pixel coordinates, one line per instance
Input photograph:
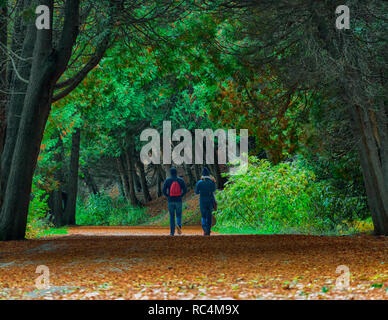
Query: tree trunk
(167, 168)
(3, 76)
(3, 70)
(89, 181)
(21, 147)
(55, 203)
(136, 181)
(163, 173)
(197, 170)
(159, 181)
(217, 171)
(131, 179)
(55, 198)
(29, 136)
(14, 108)
(46, 68)
(189, 174)
(372, 129)
(370, 126)
(72, 185)
(123, 176)
(143, 181)
(121, 188)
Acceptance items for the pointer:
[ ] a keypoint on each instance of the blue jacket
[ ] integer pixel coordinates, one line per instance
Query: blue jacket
(205, 189)
(166, 188)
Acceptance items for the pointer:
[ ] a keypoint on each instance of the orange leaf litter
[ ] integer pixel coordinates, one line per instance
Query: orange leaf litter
(146, 263)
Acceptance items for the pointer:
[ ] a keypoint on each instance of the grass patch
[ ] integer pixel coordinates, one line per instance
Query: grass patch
(103, 210)
(53, 232)
(345, 228)
(236, 230)
(189, 217)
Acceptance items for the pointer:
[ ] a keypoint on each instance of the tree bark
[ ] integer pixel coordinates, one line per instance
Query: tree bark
(17, 89)
(47, 66)
(217, 171)
(189, 174)
(55, 198)
(3, 76)
(159, 180)
(372, 130)
(137, 181)
(143, 182)
(131, 179)
(121, 188)
(370, 126)
(72, 185)
(166, 169)
(3, 70)
(89, 181)
(197, 170)
(123, 176)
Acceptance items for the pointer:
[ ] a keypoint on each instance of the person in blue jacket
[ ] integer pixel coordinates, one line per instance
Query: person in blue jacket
(205, 188)
(174, 188)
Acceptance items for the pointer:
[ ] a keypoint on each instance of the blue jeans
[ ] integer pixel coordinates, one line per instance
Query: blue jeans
(206, 208)
(175, 208)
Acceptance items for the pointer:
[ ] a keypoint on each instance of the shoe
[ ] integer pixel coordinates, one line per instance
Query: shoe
(171, 234)
(179, 229)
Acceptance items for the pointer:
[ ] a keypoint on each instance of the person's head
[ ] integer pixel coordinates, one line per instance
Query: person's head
(205, 172)
(173, 172)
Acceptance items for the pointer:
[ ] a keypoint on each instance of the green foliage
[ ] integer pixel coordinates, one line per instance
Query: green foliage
(285, 198)
(188, 80)
(190, 216)
(102, 209)
(37, 220)
(339, 208)
(53, 232)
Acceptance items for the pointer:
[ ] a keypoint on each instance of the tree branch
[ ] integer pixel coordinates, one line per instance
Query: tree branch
(72, 83)
(69, 34)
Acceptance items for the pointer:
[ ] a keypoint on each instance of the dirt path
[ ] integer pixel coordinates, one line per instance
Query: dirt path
(118, 263)
(131, 231)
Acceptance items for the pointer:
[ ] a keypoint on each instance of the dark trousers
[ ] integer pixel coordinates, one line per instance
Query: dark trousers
(206, 208)
(175, 208)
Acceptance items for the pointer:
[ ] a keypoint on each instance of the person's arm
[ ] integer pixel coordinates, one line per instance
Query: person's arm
(197, 187)
(165, 187)
(213, 187)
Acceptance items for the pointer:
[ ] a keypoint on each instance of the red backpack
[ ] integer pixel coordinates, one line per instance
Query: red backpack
(175, 189)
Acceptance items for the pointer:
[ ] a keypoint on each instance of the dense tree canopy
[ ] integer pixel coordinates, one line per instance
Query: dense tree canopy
(76, 97)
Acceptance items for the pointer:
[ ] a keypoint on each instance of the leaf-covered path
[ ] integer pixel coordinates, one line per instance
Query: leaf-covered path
(145, 263)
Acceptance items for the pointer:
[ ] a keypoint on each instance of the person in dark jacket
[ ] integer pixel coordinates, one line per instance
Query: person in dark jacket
(205, 188)
(174, 188)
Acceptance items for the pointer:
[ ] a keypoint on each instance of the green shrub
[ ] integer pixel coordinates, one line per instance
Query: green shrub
(37, 220)
(285, 198)
(102, 209)
(338, 208)
(342, 195)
